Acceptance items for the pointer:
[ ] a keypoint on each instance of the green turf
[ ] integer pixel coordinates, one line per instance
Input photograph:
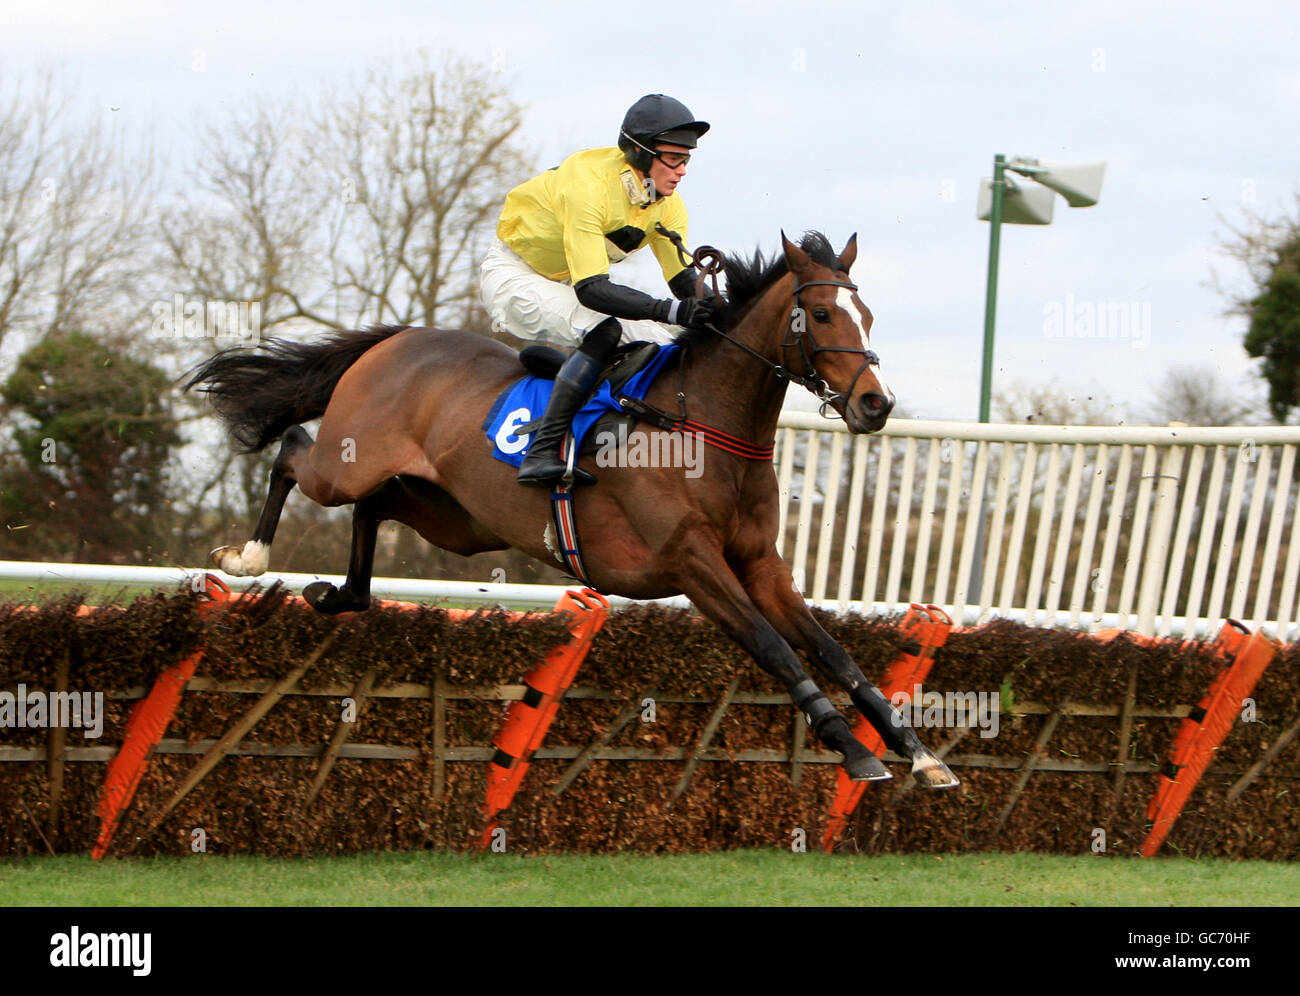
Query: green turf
(740, 878)
(40, 592)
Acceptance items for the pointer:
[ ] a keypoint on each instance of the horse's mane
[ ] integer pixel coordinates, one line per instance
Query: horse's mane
(748, 277)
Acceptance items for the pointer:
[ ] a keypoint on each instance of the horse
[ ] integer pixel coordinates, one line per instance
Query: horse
(401, 438)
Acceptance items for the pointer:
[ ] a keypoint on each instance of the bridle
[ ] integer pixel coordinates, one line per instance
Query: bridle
(710, 263)
(802, 336)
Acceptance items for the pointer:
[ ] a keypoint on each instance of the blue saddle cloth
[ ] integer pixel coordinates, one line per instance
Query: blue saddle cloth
(525, 401)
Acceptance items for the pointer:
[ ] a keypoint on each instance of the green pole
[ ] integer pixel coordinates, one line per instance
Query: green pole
(991, 293)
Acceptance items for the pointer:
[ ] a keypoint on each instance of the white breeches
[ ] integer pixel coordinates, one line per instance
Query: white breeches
(521, 301)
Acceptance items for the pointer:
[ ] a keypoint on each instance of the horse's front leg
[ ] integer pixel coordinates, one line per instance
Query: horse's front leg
(771, 588)
(704, 576)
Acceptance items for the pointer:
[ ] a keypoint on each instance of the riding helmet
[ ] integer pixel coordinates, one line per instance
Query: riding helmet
(656, 118)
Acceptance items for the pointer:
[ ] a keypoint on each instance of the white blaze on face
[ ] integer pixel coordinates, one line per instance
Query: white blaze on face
(844, 300)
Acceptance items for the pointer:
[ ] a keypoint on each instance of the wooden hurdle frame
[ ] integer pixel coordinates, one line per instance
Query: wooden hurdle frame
(524, 730)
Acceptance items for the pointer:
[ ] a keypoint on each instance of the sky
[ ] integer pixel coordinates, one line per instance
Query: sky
(874, 118)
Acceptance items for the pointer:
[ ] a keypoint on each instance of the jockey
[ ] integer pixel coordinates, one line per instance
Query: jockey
(547, 272)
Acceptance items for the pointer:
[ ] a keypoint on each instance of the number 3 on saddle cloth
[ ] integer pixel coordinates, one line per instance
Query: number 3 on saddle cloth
(524, 402)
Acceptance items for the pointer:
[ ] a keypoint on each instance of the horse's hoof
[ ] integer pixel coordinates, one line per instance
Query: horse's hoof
(329, 600)
(867, 769)
(226, 558)
(247, 561)
(930, 772)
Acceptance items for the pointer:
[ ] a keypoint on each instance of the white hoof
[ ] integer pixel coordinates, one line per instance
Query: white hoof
(930, 772)
(249, 562)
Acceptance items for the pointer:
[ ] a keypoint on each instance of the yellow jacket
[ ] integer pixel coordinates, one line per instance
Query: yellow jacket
(572, 221)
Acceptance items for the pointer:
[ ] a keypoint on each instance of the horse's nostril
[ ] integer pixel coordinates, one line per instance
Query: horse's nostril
(876, 404)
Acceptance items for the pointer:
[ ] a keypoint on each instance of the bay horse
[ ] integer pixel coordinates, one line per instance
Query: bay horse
(401, 438)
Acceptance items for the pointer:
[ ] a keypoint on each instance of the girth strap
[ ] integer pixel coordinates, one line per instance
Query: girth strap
(566, 523)
(713, 436)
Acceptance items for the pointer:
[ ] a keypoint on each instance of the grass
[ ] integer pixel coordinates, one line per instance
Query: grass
(735, 878)
(39, 592)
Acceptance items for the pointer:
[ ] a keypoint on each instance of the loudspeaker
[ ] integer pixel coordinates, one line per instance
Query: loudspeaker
(1023, 203)
(1078, 183)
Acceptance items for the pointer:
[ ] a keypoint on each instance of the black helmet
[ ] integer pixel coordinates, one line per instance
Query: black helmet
(656, 118)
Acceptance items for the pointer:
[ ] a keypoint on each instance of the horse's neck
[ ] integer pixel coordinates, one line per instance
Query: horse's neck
(744, 395)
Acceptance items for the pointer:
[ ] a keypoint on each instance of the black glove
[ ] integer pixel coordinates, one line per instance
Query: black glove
(694, 312)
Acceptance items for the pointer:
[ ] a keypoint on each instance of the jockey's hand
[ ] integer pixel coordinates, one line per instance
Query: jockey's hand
(694, 312)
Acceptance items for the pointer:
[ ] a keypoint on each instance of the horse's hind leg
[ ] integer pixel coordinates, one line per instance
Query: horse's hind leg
(771, 587)
(354, 596)
(418, 503)
(253, 557)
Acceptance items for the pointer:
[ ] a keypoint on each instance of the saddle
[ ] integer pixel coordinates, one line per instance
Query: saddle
(628, 360)
(545, 361)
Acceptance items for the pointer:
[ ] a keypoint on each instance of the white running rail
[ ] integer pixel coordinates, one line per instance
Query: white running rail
(1164, 530)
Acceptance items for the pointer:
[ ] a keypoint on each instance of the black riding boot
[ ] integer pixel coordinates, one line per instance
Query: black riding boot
(573, 386)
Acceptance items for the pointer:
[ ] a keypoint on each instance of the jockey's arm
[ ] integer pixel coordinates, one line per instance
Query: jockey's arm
(599, 293)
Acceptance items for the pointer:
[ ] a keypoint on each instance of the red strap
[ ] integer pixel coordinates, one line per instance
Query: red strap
(726, 441)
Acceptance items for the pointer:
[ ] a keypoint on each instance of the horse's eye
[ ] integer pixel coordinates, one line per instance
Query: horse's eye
(822, 315)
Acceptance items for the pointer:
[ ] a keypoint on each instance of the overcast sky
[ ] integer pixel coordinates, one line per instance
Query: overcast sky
(876, 118)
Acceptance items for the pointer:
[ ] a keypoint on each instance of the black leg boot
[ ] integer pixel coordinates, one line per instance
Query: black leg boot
(573, 386)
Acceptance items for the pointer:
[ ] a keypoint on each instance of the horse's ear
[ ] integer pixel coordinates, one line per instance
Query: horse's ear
(850, 253)
(795, 258)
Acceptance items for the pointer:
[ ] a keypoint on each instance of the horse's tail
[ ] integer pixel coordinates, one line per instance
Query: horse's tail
(259, 393)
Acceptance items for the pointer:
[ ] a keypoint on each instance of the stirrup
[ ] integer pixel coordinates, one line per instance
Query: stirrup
(548, 476)
(551, 470)
(573, 474)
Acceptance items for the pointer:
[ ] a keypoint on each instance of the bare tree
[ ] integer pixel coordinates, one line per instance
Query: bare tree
(367, 204)
(1203, 396)
(245, 227)
(74, 207)
(1268, 251)
(421, 163)
(352, 208)
(1254, 245)
(1053, 404)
